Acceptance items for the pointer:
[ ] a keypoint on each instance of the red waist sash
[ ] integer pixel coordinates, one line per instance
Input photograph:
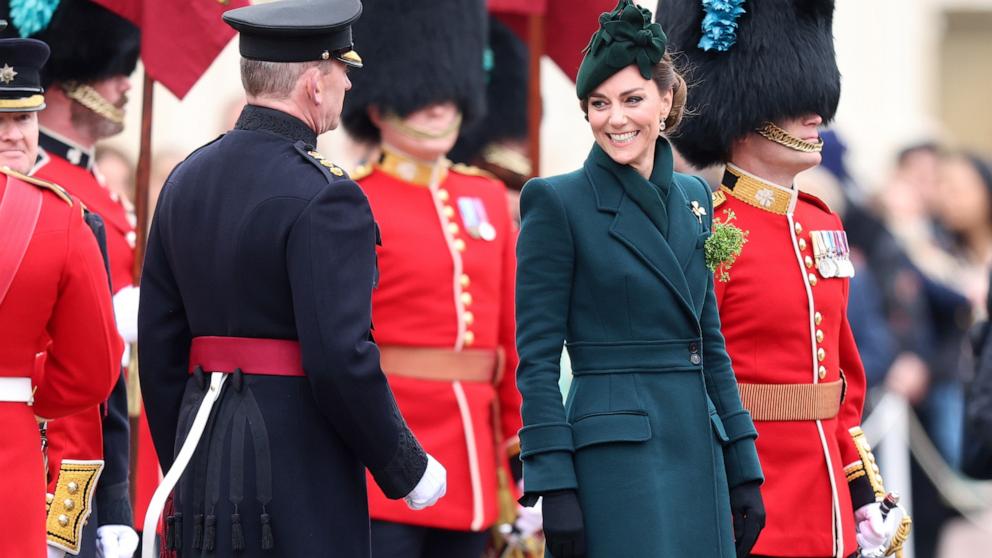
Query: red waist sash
(268, 357)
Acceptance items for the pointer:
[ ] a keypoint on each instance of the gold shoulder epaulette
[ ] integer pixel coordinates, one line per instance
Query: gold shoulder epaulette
(472, 171)
(361, 171)
(59, 191)
(718, 198)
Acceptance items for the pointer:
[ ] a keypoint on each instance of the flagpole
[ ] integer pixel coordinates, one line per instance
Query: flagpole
(535, 35)
(142, 178)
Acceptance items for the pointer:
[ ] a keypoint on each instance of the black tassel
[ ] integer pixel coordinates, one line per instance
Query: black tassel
(267, 541)
(170, 532)
(237, 535)
(210, 533)
(179, 530)
(198, 531)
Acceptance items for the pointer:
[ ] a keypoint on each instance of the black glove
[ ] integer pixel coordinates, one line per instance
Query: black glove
(564, 531)
(749, 516)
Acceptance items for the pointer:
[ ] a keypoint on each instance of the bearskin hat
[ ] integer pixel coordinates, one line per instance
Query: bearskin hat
(415, 54)
(781, 65)
(89, 42)
(506, 96)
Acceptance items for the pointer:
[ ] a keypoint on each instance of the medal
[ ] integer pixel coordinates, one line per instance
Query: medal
(824, 262)
(475, 219)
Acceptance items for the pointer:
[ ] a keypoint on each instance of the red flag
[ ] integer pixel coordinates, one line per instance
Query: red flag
(568, 25)
(179, 40)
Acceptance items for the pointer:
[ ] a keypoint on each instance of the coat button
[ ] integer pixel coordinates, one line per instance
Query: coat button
(442, 194)
(72, 487)
(469, 338)
(809, 262)
(449, 211)
(821, 354)
(818, 318)
(802, 244)
(693, 347)
(812, 279)
(819, 336)
(453, 228)
(822, 372)
(799, 229)
(466, 299)
(459, 245)
(469, 318)
(464, 281)
(63, 520)
(68, 503)
(694, 358)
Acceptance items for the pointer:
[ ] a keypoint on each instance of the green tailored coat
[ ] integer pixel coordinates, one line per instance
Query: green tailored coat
(652, 432)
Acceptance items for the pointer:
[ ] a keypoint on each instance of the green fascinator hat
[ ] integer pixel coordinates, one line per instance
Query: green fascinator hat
(625, 36)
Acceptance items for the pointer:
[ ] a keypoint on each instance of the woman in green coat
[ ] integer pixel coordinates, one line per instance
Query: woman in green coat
(652, 454)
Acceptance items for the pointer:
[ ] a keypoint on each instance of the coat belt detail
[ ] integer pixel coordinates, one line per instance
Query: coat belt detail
(269, 357)
(792, 402)
(642, 357)
(425, 363)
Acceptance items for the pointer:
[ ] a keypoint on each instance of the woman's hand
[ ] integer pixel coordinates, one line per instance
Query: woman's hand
(564, 531)
(749, 516)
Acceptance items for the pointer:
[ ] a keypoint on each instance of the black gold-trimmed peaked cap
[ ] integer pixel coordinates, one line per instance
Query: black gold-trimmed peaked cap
(297, 30)
(21, 61)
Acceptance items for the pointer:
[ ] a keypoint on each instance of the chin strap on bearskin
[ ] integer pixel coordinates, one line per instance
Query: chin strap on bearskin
(771, 132)
(93, 100)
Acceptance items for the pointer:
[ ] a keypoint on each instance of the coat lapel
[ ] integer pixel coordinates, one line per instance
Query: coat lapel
(634, 230)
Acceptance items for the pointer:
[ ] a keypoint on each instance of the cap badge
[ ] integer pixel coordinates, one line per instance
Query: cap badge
(7, 74)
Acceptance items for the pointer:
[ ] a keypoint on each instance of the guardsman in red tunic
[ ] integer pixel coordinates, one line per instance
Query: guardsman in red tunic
(86, 95)
(443, 308)
(54, 301)
(783, 300)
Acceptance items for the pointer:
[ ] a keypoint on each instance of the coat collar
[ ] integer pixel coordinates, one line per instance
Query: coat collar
(758, 192)
(632, 227)
(56, 144)
(254, 117)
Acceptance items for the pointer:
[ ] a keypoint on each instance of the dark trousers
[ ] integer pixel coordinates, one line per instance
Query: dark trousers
(397, 540)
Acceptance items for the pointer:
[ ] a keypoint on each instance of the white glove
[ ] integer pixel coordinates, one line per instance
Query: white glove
(55, 552)
(116, 541)
(431, 487)
(529, 520)
(126, 313)
(874, 533)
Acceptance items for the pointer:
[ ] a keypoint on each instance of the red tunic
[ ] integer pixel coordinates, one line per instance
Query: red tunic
(777, 313)
(80, 437)
(440, 287)
(58, 305)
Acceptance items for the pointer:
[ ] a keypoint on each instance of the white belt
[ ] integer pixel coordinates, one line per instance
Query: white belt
(16, 390)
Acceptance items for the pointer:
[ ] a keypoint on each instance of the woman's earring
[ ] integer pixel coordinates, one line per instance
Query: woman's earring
(661, 127)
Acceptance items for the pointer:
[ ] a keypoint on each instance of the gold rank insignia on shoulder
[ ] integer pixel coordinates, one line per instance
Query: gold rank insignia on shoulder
(832, 253)
(470, 170)
(70, 506)
(335, 170)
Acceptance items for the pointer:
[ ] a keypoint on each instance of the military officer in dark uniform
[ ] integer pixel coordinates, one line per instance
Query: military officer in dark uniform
(259, 373)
